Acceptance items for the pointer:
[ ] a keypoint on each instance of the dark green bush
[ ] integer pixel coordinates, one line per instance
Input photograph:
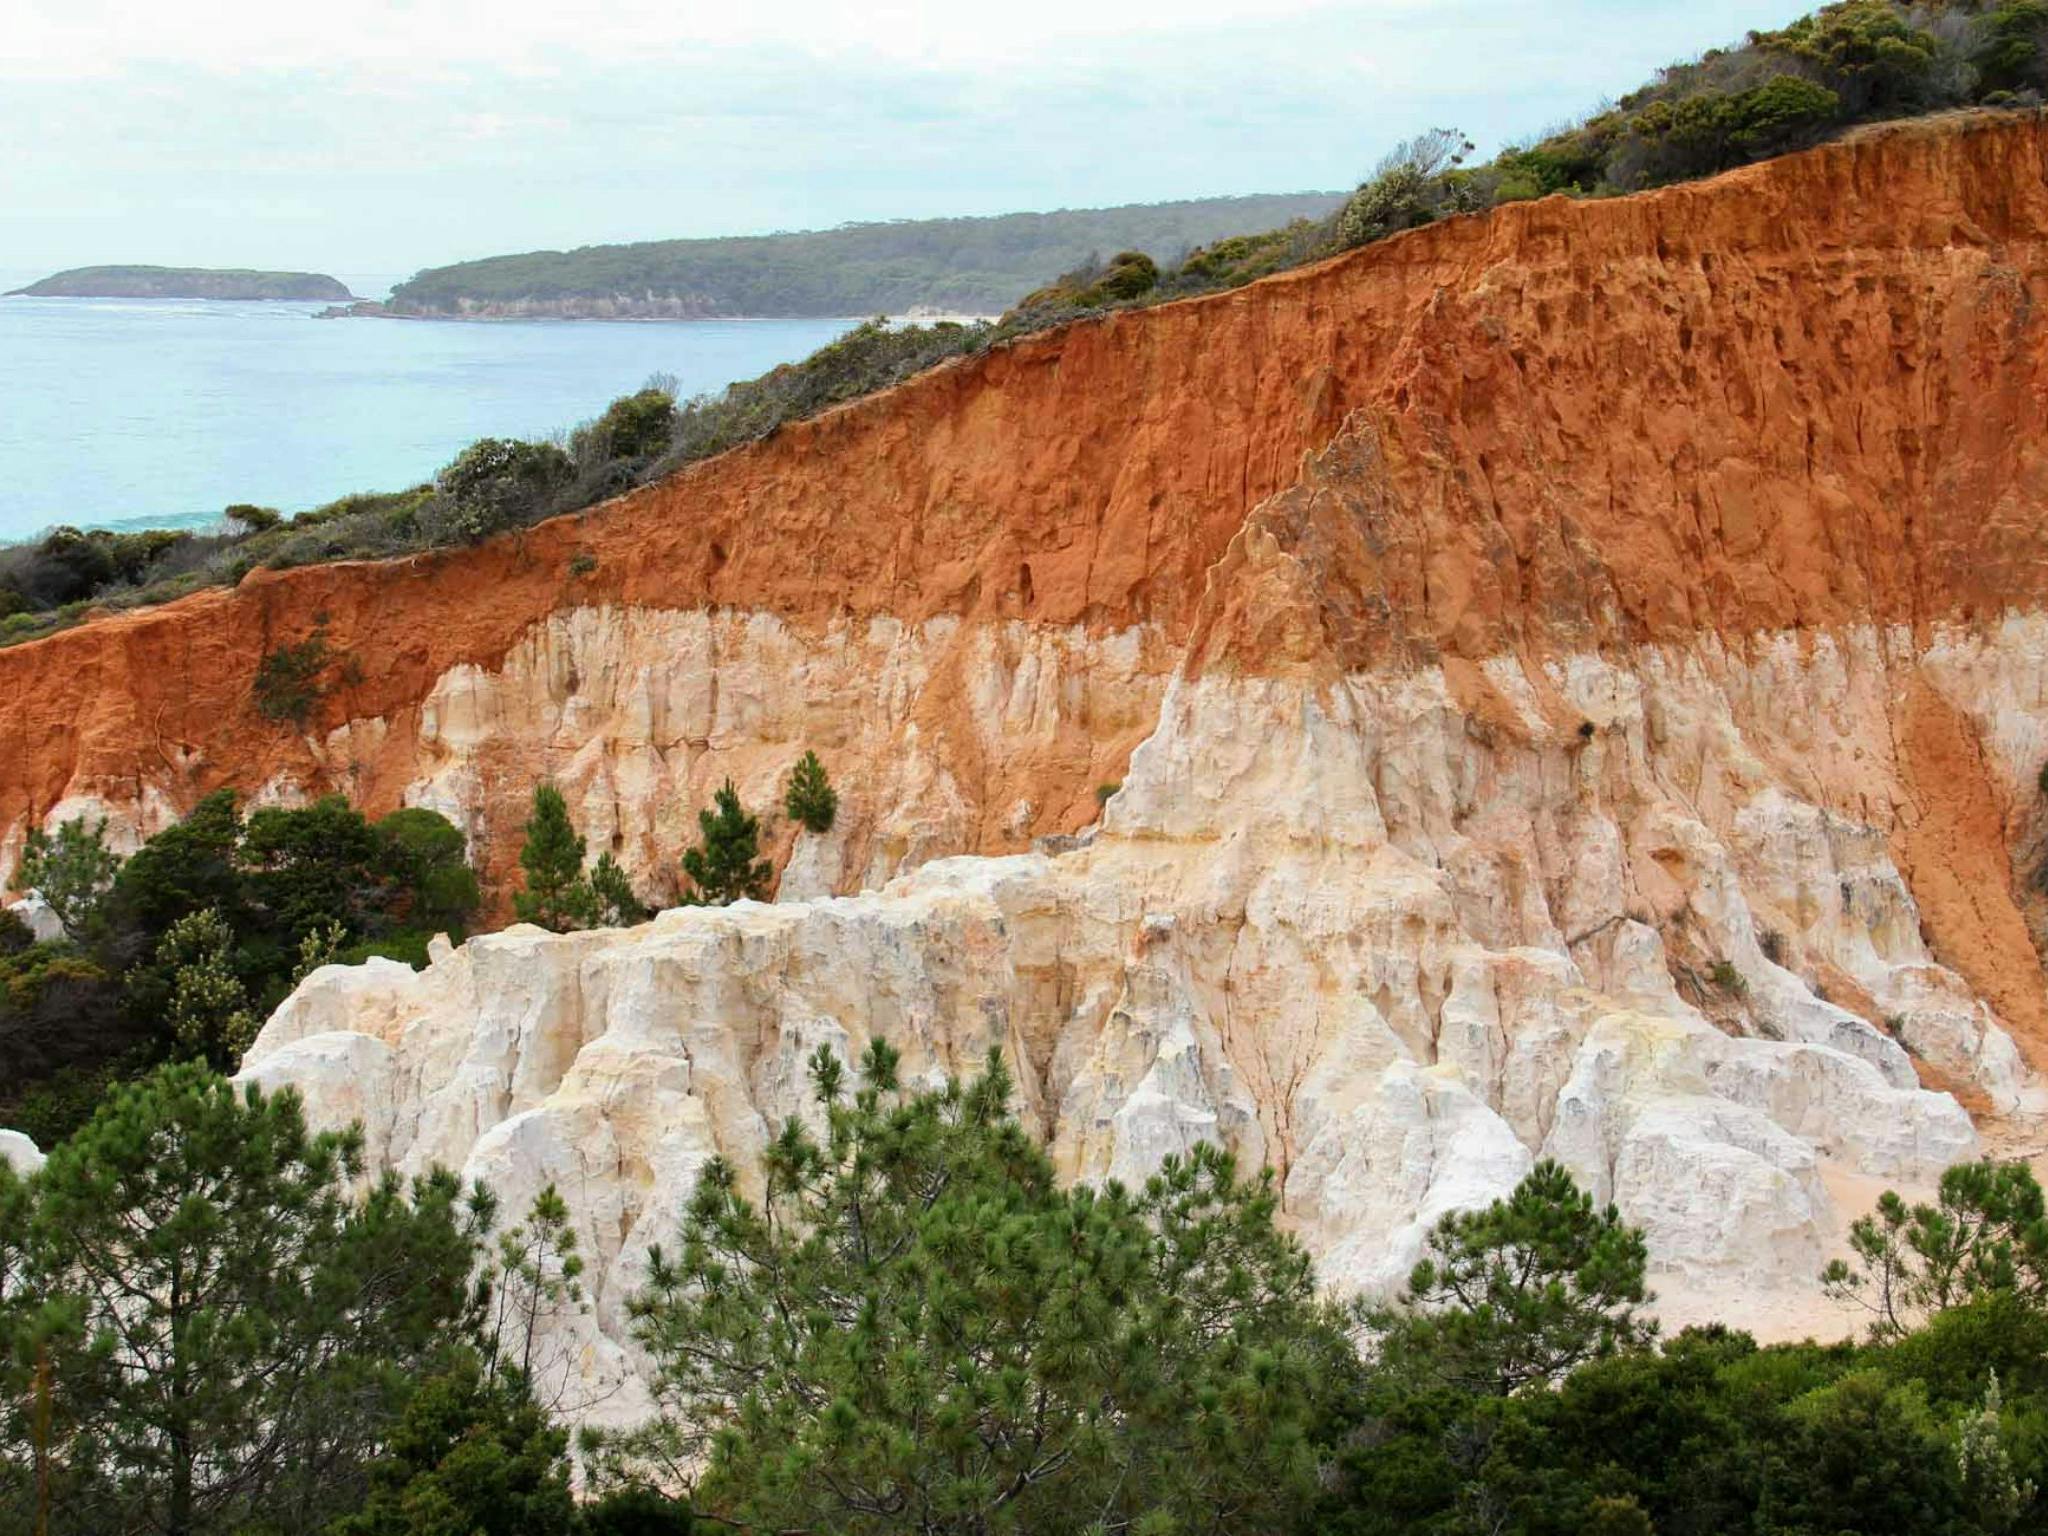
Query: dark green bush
(254, 519)
(637, 426)
(288, 679)
(500, 483)
(2011, 53)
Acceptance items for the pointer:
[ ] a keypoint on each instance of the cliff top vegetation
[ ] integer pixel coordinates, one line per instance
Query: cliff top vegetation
(961, 266)
(1848, 64)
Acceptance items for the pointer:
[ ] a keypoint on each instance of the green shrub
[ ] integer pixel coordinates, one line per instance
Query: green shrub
(15, 933)
(1866, 50)
(1412, 186)
(499, 483)
(288, 679)
(408, 946)
(2011, 53)
(253, 519)
(636, 426)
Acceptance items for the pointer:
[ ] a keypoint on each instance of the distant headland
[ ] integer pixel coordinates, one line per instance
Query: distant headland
(185, 283)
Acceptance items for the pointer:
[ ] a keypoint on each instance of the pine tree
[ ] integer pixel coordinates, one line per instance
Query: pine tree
(536, 1279)
(918, 1318)
(1987, 1232)
(723, 867)
(471, 1455)
(242, 1329)
(618, 906)
(557, 897)
(1522, 1291)
(811, 800)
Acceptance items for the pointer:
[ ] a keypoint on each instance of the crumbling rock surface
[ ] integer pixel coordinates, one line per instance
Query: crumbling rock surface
(1564, 683)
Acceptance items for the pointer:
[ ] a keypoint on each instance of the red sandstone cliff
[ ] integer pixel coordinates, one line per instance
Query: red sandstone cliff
(1803, 395)
(1567, 684)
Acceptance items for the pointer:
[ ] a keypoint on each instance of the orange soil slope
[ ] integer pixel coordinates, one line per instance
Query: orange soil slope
(1802, 394)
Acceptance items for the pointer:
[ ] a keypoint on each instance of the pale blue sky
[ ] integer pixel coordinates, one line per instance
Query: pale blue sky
(355, 137)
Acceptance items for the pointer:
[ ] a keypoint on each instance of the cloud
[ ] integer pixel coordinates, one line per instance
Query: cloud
(73, 39)
(381, 138)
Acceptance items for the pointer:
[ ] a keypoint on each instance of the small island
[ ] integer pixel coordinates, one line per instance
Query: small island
(185, 283)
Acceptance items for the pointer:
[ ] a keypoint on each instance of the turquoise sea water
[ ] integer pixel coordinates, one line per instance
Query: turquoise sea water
(164, 411)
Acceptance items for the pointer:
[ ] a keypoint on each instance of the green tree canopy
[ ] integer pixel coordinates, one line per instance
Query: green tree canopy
(556, 896)
(915, 1328)
(1522, 1291)
(187, 867)
(811, 801)
(226, 1331)
(73, 871)
(427, 855)
(311, 865)
(470, 1457)
(724, 866)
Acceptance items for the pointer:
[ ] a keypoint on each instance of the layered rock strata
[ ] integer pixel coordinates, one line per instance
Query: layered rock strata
(1566, 683)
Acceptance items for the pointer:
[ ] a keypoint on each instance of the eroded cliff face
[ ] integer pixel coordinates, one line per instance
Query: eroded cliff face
(1575, 680)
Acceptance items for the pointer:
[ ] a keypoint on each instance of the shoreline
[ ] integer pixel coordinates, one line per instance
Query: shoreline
(373, 309)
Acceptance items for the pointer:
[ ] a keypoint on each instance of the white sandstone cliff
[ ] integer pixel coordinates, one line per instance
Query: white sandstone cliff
(1395, 945)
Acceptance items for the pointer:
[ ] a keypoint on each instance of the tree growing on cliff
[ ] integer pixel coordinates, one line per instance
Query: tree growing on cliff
(557, 897)
(918, 1328)
(1522, 1291)
(73, 871)
(811, 801)
(724, 867)
(1985, 1234)
(618, 904)
(288, 679)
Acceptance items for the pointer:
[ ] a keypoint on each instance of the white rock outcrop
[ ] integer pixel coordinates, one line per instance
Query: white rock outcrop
(1352, 929)
(20, 1153)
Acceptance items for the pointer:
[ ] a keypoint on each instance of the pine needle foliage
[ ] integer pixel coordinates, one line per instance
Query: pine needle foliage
(1985, 1233)
(73, 870)
(223, 1330)
(618, 905)
(556, 897)
(913, 1327)
(724, 867)
(811, 801)
(1523, 1291)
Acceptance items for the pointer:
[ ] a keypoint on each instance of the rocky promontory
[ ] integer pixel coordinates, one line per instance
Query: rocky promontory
(185, 283)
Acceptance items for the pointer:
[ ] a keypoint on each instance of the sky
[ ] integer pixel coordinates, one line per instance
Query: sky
(380, 136)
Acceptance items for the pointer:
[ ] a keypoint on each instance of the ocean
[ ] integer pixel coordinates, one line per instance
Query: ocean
(130, 412)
